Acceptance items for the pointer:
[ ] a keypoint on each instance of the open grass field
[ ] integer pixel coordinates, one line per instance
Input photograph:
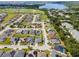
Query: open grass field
(13, 12)
(10, 10)
(6, 42)
(43, 17)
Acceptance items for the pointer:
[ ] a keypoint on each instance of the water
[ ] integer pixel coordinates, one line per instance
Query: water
(54, 6)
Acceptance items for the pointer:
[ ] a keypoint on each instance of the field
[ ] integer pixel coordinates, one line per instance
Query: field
(21, 11)
(13, 12)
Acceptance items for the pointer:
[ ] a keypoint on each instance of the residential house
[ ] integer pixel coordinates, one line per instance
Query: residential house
(2, 38)
(32, 53)
(32, 32)
(12, 53)
(60, 48)
(38, 32)
(19, 53)
(53, 53)
(6, 54)
(51, 34)
(30, 40)
(38, 40)
(1, 53)
(41, 54)
(55, 40)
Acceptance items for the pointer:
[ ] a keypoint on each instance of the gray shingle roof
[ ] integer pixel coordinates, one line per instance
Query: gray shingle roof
(19, 53)
(55, 40)
(1, 52)
(37, 40)
(7, 54)
(54, 53)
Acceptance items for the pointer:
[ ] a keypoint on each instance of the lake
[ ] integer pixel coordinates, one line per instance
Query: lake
(54, 6)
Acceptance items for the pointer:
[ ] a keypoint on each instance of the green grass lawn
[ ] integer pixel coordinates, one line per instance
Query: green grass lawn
(22, 35)
(27, 35)
(6, 49)
(10, 10)
(31, 11)
(6, 42)
(43, 17)
(27, 49)
(41, 43)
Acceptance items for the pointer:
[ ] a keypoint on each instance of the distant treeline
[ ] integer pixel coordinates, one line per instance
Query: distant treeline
(34, 6)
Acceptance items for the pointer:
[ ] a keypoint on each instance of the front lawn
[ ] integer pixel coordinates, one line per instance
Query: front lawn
(6, 49)
(6, 42)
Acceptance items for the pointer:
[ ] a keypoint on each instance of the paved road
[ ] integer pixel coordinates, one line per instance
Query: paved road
(49, 13)
(43, 29)
(34, 18)
(25, 46)
(44, 33)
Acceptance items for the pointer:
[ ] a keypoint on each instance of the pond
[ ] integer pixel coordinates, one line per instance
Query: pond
(54, 6)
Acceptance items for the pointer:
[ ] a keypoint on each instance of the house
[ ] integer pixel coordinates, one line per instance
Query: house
(67, 16)
(38, 32)
(32, 32)
(25, 32)
(2, 38)
(41, 54)
(23, 39)
(61, 14)
(38, 40)
(32, 53)
(14, 40)
(49, 30)
(2, 16)
(53, 53)
(17, 39)
(30, 40)
(35, 53)
(1, 53)
(19, 53)
(51, 34)
(1, 19)
(55, 40)
(19, 31)
(12, 53)
(6, 54)
(8, 32)
(29, 17)
(60, 48)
